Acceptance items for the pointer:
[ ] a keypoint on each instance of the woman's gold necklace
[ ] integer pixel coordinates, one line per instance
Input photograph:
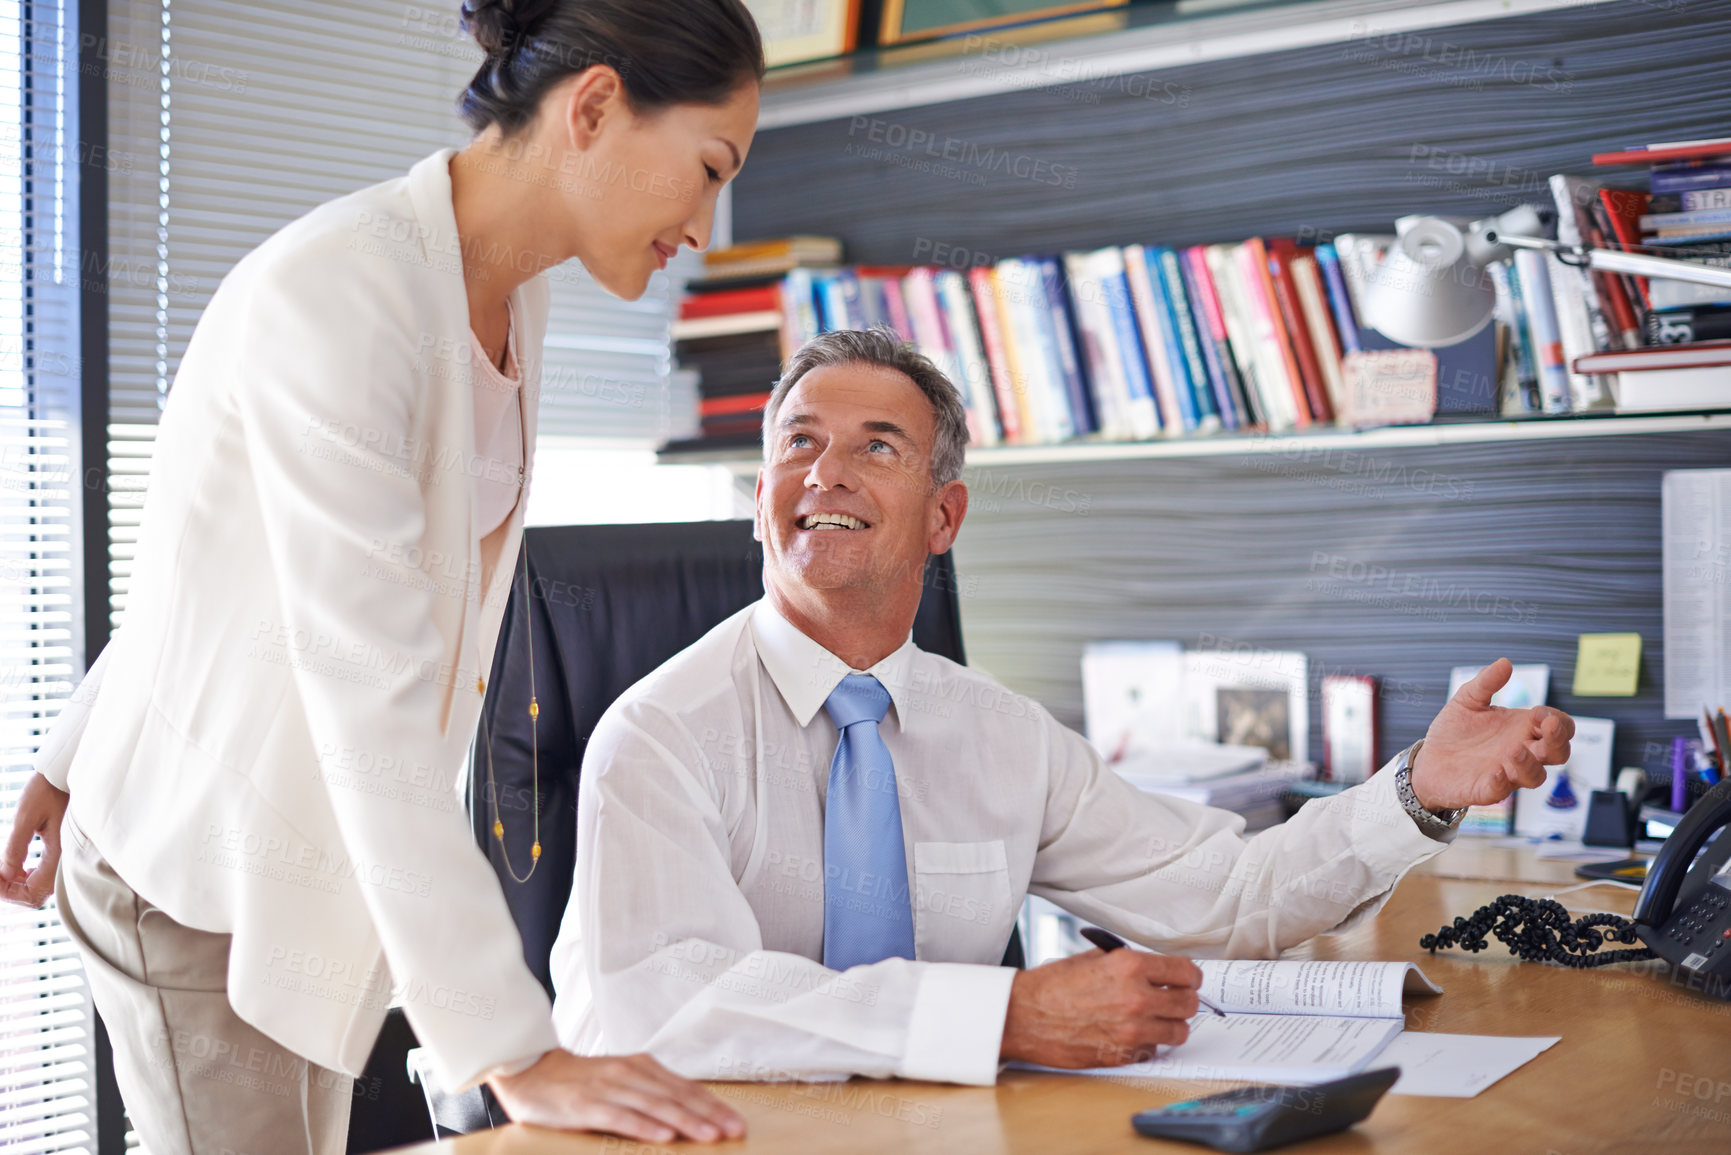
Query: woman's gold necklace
(534, 743)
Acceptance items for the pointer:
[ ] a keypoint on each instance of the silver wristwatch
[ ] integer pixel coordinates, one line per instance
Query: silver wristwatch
(1435, 823)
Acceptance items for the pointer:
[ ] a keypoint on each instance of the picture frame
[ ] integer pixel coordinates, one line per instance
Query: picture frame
(905, 20)
(800, 31)
(1132, 695)
(1249, 697)
(1349, 727)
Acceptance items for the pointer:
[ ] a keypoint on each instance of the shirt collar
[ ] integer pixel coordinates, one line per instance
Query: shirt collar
(806, 674)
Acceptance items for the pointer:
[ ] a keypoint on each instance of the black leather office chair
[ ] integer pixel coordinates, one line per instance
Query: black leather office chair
(606, 605)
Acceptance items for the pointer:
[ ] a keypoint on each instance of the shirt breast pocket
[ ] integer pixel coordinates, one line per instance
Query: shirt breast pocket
(962, 908)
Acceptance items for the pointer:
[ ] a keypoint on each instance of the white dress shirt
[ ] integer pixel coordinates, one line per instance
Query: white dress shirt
(696, 922)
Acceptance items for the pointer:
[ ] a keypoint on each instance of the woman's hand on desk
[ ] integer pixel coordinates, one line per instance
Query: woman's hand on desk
(630, 1095)
(1100, 1010)
(40, 808)
(1475, 753)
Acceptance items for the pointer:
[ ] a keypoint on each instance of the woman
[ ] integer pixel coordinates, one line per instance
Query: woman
(262, 844)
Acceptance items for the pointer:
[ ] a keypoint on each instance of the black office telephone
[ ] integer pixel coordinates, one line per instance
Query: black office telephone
(1684, 912)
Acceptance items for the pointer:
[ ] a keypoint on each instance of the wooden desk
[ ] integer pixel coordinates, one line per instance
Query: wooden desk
(1643, 1065)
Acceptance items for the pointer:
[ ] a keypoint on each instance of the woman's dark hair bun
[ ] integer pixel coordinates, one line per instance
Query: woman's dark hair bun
(499, 26)
(666, 52)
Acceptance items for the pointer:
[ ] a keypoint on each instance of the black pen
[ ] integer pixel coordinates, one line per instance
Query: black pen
(1107, 941)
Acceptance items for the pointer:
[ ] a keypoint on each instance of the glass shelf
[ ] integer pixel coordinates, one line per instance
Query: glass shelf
(747, 458)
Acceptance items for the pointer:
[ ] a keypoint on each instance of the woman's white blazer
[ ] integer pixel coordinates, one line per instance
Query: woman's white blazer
(273, 743)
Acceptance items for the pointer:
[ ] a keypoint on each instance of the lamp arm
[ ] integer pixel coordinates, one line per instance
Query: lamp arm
(1634, 264)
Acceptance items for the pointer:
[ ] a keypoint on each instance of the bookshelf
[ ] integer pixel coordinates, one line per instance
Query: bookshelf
(1299, 122)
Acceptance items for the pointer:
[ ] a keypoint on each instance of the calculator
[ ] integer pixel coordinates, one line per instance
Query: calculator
(1257, 1118)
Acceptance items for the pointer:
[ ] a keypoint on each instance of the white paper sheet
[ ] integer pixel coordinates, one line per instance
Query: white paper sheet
(1296, 1049)
(1456, 1066)
(1696, 517)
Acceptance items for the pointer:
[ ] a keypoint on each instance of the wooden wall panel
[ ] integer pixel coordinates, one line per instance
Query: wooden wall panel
(1398, 563)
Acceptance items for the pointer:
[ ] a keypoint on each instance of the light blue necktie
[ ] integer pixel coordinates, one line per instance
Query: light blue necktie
(867, 915)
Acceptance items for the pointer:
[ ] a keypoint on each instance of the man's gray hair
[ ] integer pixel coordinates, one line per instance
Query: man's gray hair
(883, 348)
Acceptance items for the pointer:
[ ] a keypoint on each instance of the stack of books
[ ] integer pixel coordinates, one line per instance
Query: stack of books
(1253, 791)
(1684, 212)
(730, 331)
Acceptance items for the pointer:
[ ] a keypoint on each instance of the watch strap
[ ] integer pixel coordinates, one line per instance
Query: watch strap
(1432, 822)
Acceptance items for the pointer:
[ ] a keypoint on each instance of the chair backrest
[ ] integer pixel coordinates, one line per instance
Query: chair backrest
(607, 605)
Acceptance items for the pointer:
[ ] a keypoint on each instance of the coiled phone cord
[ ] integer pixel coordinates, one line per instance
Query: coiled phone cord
(1540, 930)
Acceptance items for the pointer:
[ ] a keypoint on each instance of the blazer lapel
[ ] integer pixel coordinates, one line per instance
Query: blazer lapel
(430, 192)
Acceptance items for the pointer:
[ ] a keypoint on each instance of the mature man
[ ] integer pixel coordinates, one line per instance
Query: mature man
(802, 842)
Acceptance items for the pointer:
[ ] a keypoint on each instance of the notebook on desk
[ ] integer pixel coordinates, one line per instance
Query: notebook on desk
(1291, 1021)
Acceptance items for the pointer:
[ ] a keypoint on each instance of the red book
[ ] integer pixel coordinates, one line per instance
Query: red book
(1614, 291)
(1626, 207)
(757, 300)
(1678, 150)
(1266, 301)
(730, 406)
(1281, 250)
(1699, 354)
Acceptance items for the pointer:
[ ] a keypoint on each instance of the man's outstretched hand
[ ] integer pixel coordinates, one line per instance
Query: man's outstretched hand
(1475, 754)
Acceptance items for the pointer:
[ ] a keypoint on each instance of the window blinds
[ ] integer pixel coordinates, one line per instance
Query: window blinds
(46, 1097)
(229, 119)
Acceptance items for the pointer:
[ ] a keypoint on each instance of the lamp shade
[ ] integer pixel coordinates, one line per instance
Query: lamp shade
(1429, 291)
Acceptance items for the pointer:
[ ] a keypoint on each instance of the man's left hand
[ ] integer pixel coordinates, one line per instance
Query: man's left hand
(1475, 754)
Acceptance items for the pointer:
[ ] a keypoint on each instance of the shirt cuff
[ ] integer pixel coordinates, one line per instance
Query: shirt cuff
(514, 1067)
(957, 1030)
(526, 1048)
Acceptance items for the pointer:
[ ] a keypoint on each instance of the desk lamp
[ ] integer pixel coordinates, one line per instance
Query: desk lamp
(1431, 289)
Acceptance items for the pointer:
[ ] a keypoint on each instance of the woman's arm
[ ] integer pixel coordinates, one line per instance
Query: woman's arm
(329, 391)
(43, 802)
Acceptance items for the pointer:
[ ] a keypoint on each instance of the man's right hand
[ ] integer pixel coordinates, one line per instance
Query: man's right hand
(630, 1095)
(1100, 1010)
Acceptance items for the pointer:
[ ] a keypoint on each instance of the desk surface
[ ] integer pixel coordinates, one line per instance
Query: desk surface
(1643, 1065)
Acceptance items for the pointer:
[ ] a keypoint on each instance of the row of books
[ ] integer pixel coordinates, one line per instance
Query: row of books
(1123, 343)
(1145, 341)
(1126, 343)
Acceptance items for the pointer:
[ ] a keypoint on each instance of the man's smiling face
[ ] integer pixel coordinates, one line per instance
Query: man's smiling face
(845, 499)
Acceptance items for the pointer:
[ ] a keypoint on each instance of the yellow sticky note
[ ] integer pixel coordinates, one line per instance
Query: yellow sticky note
(1608, 665)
